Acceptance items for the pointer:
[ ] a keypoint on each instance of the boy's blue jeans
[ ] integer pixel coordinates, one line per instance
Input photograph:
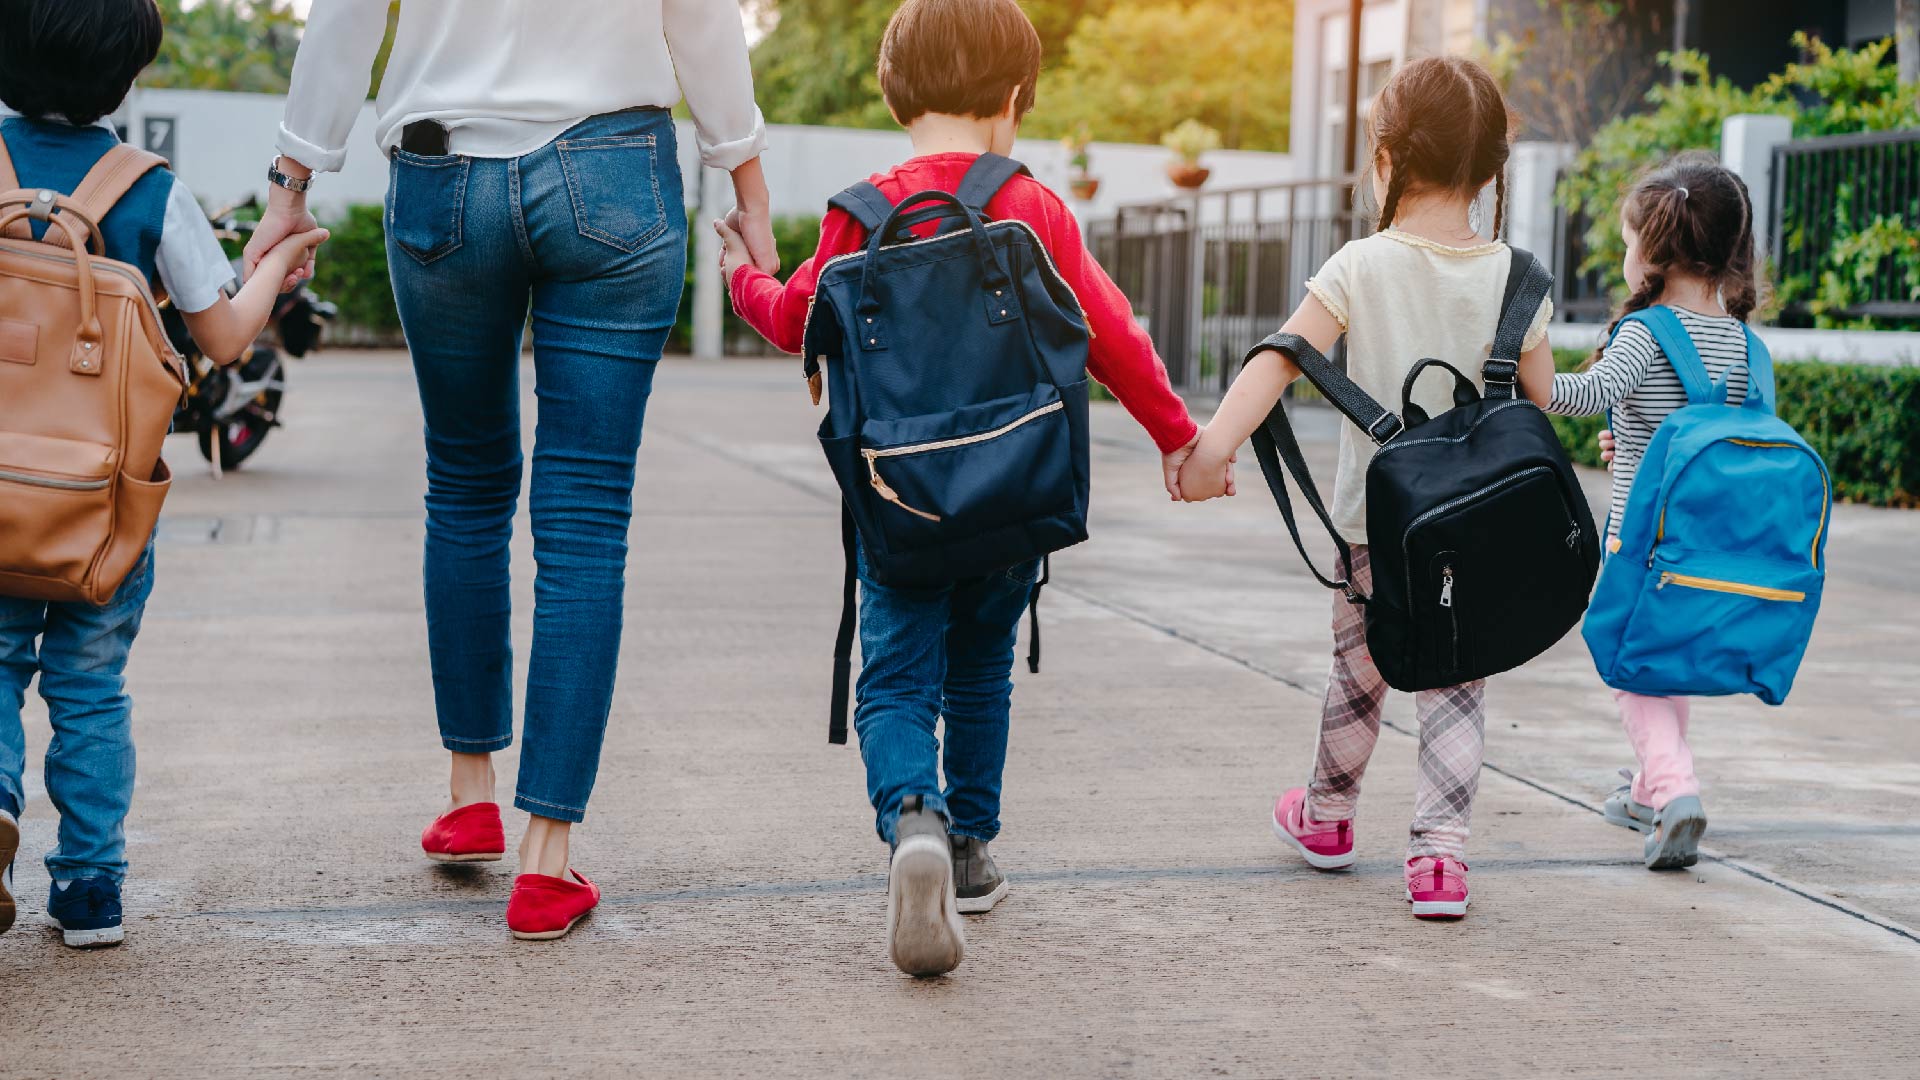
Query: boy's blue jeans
(931, 653)
(590, 233)
(80, 652)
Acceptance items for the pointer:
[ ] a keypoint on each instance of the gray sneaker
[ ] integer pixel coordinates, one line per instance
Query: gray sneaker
(977, 882)
(924, 934)
(1675, 839)
(1621, 810)
(9, 843)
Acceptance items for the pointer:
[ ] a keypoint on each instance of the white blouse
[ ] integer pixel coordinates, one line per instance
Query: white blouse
(508, 76)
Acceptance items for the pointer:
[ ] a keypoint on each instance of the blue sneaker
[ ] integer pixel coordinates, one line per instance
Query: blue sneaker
(9, 843)
(88, 911)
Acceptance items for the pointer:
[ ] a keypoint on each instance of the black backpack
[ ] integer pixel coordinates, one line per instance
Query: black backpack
(1483, 549)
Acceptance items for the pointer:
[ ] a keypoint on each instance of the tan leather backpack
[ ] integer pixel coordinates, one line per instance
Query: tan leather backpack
(88, 385)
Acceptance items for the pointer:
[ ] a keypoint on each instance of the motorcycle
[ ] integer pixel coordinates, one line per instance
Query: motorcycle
(231, 409)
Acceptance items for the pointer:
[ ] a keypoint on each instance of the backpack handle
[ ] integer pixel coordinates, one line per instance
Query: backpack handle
(1001, 305)
(86, 358)
(42, 205)
(1464, 393)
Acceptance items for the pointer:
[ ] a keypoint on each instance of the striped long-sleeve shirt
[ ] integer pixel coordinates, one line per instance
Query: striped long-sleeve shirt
(1636, 381)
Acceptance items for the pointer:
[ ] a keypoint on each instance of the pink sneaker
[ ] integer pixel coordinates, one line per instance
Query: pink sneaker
(1437, 887)
(1326, 845)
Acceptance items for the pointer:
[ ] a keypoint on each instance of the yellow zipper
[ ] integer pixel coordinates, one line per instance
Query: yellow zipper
(885, 491)
(1826, 500)
(1758, 592)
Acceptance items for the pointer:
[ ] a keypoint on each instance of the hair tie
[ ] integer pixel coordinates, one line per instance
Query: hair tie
(1682, 190)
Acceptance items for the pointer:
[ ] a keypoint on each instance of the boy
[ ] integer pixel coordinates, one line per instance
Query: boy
(959, 76)
(64, 65)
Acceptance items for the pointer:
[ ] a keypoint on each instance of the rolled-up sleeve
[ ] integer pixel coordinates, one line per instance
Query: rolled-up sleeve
(331, 75)
(709, 48)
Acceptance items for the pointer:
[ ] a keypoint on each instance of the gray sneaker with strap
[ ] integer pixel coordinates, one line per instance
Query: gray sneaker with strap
(924, 934)
(1621, 810)
(978, 884)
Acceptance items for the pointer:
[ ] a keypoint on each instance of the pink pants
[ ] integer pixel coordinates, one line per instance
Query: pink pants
(1657, 727)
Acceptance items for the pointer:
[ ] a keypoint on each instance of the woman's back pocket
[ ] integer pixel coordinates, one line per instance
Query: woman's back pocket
(613, 182)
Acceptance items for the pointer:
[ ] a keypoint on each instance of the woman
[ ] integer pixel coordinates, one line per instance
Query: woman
(533, 168)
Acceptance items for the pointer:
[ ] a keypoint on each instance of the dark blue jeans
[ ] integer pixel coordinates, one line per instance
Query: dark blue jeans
(928, 654)
(80, 653)
(589, 233)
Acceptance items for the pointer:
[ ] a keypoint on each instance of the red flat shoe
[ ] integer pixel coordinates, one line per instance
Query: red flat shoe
(472, 833)
(543, 908)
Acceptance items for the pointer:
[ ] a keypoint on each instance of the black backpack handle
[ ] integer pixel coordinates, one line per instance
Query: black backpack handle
(1464, 392)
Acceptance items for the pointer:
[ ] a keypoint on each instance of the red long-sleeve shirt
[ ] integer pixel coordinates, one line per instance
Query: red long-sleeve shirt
(1121, 356)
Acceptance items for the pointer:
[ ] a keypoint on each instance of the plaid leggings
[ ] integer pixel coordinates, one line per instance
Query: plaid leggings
(1452, 737)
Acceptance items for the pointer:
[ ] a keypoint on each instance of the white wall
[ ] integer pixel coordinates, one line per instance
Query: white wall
(222, 143)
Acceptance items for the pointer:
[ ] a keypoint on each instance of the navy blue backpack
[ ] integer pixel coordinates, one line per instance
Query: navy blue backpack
(956, 368)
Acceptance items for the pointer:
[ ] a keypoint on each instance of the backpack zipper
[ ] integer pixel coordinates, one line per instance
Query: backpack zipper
(1453, 617)
(1406, 538)
(1739, 588)
(49, 482)
(886, 492)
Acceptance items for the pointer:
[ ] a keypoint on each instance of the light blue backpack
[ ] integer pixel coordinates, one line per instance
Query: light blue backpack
(1714, 581)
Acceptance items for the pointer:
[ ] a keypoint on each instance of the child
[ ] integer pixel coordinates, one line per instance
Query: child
(1688, 228)
(64, 65)
(1424, 285)
(959, 76)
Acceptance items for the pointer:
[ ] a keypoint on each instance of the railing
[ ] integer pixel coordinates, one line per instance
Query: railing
(1212, 273)
(1830, 188)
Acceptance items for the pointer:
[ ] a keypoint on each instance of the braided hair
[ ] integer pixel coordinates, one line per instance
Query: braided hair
(1442, 124)
(1692, 215)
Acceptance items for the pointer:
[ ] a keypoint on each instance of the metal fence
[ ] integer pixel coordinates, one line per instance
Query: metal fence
(1828, 189)
(1212, 273)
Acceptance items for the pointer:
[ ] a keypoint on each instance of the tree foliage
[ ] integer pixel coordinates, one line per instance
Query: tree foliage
(226, 45)
(1129, 70)
(1829, 92)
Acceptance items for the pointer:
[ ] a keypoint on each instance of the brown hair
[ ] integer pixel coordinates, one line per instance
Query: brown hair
(1442, 123)
(1693, 215)
(959, 57)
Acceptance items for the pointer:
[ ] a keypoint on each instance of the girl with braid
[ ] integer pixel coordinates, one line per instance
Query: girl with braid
(1425, 284)
(1688, 227)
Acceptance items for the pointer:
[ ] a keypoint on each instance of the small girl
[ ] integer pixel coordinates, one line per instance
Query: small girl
(1423, 285)
(1688, 228)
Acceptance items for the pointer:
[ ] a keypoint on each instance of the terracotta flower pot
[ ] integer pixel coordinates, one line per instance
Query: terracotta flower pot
(1185, 175)
(1085, 187)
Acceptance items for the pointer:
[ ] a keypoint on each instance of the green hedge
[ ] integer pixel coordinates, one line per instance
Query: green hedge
(1864, 420)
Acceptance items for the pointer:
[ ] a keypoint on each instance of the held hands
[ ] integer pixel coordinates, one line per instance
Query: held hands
(290, 259)
(1206, 474)
(285, 216)
(1170, 464)
(734, 251)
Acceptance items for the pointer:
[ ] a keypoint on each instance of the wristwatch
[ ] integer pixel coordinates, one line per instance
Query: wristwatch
(276, 177)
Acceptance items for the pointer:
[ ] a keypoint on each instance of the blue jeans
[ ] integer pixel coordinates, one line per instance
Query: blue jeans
(80, 652)
(932, 653)
(589, 233)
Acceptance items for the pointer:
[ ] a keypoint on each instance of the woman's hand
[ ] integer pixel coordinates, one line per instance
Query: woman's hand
(286, 215)
(752, 216)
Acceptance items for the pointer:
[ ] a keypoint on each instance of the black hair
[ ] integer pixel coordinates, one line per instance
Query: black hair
(74, 59)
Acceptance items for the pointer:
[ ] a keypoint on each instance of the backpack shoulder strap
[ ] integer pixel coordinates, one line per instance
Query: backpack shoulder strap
(985, 177)
(865, 204)
(111, 177)
(1759, 372)
(1678, 346)
(9, 181)
(1528, 282)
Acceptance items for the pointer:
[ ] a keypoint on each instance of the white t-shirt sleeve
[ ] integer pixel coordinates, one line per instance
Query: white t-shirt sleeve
(193, 268)
(1333, 284)
(1537, 332)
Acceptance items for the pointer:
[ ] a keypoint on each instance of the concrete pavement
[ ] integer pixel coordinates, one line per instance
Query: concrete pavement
(282, 922)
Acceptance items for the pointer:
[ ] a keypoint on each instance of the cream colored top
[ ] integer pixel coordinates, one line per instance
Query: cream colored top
(1402, 298)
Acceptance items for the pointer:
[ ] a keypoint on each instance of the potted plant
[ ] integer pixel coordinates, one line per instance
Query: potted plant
(1081, 179)
(1188, 141)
